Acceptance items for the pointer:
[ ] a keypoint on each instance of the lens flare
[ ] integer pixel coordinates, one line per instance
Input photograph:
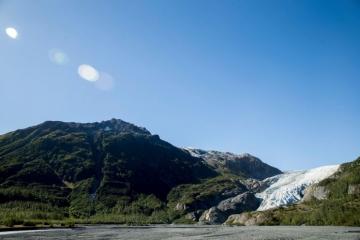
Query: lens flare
(58, 56)
(88, 72)
(11, 32)
(105, 82)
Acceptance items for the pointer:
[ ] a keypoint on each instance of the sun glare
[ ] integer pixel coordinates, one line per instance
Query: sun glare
(88, 73)
(11, 32)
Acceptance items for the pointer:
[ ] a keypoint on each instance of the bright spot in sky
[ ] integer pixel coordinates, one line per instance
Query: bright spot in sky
(58, 56)
(11, 32)
(88, 73)
(105, 82)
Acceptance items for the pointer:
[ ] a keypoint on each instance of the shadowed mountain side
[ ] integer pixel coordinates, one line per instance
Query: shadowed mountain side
(116, 170)
(108, 160)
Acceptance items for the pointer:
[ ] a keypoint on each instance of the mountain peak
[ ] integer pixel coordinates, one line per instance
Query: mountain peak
(115, 125)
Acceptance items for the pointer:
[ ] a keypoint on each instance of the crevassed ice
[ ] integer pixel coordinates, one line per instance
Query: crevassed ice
(288, 188)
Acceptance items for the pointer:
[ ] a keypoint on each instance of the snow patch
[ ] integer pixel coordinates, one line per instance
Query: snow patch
(212, 154)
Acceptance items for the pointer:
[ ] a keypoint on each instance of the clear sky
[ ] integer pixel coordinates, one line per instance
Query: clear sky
(277, 79)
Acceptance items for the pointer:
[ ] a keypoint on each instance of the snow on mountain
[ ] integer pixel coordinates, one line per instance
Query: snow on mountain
(240, 164)
(220, 156)
(289, 187)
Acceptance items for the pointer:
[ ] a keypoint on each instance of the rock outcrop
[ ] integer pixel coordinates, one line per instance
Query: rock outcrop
(247, 219)
(194, 216)
(212, 216)
(315, 192)
(354, 189)
(238, 204)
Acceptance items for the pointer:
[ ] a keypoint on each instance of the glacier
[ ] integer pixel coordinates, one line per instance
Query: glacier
(289, 187)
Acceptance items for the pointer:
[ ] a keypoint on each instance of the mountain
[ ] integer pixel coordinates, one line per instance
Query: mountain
(112, 154)
(114, 171)
(239, 164)
(332, 199)
(290, 187)
(89, 168)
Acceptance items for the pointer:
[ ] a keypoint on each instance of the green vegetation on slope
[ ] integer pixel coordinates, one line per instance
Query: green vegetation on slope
(205, 194)
(115, 172)
(111, 171)
(143, 209)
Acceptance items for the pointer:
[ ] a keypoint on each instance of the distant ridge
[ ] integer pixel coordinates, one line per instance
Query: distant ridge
(241, 164)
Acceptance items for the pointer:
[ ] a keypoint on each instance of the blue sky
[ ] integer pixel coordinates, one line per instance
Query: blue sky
(277, 79)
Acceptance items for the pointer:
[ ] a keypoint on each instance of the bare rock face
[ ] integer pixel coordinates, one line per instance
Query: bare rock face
(255, 185)
(194, 216)
(247, 219)
(317, 192)
(233, 192)
(320, 193)
(238, 204)
(212, 216)
(354, 189)
(180, 207)
(238, 219)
